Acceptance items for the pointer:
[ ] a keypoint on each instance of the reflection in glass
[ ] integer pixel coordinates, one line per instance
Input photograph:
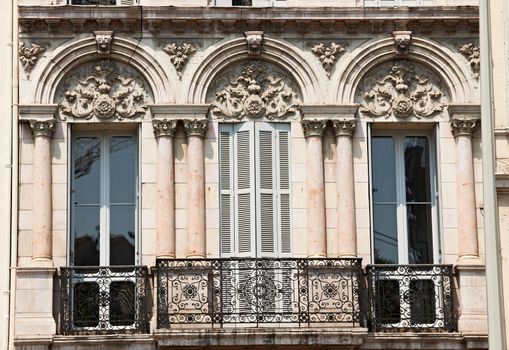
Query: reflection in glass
(384, 198)
(388, 301)
(422, 300)
(417, 169)
(123, 303)
(122, 234)
(420, 247)
(86, 235)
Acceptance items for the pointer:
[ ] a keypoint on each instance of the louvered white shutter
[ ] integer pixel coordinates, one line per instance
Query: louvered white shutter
(125, 2)
(244, 190)
(283, 189)
(226, 185)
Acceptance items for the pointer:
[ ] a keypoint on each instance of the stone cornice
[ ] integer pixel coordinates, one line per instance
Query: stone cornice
(179, 111)
(329, 111)
(468, 111)
(37, 111)
(276, 19)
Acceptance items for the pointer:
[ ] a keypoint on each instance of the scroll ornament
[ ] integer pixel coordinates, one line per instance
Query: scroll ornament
(403, 93)
(29, 56)
(106, 93)
(259, 91)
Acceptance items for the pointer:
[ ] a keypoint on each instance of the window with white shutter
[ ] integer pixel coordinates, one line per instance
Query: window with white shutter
(254, 189)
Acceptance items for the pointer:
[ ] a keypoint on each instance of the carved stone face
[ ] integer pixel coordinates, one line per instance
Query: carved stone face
(103, 42)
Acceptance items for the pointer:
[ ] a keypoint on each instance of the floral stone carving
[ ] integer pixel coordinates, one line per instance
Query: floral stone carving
(403, 93)
(104, 91)
(255, 90)
(179, 55)
(327, 55)
(29, 56)
(472, 54)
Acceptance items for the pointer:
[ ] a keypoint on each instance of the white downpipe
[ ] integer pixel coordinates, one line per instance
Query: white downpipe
(496, 328)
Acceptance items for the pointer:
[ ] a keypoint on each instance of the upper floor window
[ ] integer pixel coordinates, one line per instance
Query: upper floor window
(255, 189)
(404, 201)
(253, 3)
(103, 2)
(390, 3)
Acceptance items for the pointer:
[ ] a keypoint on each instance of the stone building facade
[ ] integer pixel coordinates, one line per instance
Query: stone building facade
(262, 173)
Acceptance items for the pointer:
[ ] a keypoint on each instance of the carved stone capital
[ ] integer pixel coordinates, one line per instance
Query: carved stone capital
(313, 127)
(29, 56)
(254, 41)
(472, 54)
(179, 55)
(44, 128)
(463, 127)
(402, 40)
(103, 40)
(195, 127)
(328, 55)
(344, 127)
(164, 127)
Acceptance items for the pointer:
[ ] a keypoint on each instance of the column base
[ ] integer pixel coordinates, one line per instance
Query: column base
(470, 260)
(473, 318)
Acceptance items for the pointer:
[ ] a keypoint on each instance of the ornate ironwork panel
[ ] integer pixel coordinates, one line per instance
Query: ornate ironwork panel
(94, 2)
(411, 297)
(101, 300)
(258, 291)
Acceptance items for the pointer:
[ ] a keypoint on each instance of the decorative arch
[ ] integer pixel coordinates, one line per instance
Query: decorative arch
(281, 54)
(67, 57)
(440, 60)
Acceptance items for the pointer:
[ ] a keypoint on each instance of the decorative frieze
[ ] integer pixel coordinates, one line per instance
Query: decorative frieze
(402, 40)
(254, 90)
(344, 127)
(44, 128)
(164, 127)
(29, 56)
(103, 39)
(328, 55)
(313, 127)
(472, 54)
(195, 127)
(179, 55)
(402, 92)
(463, 126)
(105, 90)
(254, 41)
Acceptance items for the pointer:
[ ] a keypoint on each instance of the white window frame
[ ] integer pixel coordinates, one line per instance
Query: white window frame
(402, 3)
(255, 3)
(402, 228)
(104, 218)
(118, 3)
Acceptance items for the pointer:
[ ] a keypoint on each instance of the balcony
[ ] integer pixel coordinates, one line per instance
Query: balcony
(411, 298)
(259, 292)
(104, 300)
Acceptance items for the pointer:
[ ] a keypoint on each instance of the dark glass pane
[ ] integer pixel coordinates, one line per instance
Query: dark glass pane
(123, 303)
(122, 234)
(388, 301)
(417, 169)
(86, 235)
(86, 304)
(422, 302)
(386, 234)
(242, 2)
(87, 170)
(122, 169)
(420, 240)
(384, 169)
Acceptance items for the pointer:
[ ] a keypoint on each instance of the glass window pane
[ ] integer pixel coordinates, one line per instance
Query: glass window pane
(388, 301)
(87, 170)
(123, 302)
(386, 234)
(420, 240)
(384, 169)
(86, 235)
(122, 234)
(122, 169)
(417, 169)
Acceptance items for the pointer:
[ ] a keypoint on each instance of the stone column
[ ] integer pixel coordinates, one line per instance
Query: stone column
(345, 209)
(41, 235)
(196, 240)
(164, 130)
(313, 131)
(467, 219)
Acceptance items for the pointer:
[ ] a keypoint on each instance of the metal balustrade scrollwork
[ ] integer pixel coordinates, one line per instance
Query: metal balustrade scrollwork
(411, 297)
(102, 300)
(285, 291)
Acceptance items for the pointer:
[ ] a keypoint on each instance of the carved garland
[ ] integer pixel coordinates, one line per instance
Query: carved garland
(403, 93)
(29, 56)
(472, 54)
(259, 91)
(106, 93)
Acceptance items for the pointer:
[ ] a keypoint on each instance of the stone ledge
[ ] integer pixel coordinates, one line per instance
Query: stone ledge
(424, 341)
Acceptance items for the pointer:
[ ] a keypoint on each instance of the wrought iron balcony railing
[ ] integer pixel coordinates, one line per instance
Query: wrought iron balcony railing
(411, 297)
(93, 2)
(253, 292)
(102, 300)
